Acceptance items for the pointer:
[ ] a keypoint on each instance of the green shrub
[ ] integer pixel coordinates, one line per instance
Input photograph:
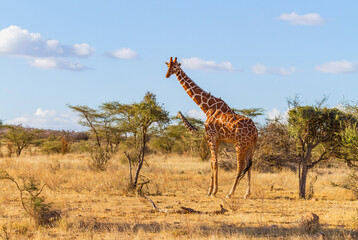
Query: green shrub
(51, 147)
(35, 206)
(80, 147)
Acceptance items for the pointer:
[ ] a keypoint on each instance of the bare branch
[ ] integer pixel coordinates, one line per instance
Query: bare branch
(322, 157)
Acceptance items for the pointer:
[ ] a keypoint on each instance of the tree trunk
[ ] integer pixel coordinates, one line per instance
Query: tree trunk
(141, 159)
(302, 175)
(18, 151)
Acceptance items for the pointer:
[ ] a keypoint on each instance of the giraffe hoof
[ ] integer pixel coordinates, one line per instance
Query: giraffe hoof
(247, 195)
(209, 192)
(228, 196)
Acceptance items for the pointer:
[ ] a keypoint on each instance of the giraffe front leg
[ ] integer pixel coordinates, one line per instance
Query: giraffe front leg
(216, 185)
(211, 180)
(214, 167)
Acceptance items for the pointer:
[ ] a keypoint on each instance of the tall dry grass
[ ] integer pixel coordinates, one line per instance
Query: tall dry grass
(98, 205)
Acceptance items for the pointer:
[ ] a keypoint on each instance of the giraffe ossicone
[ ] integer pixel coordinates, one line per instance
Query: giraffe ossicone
(222, 125)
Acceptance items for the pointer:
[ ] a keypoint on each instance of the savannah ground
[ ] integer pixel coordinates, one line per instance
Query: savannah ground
(97, 205)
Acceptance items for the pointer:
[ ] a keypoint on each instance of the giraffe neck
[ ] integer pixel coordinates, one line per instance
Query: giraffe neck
(187, 124)
(200, 97)
(204, 100)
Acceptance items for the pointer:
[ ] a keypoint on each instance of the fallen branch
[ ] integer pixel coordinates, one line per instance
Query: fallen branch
(185, 210)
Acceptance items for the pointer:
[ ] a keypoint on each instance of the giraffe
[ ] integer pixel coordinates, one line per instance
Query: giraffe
(190, 127)
(222, 125)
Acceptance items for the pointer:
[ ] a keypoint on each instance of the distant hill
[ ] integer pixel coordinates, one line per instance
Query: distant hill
(45, 133)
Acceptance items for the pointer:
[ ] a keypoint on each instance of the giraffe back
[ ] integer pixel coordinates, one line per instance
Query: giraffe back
(231, 127)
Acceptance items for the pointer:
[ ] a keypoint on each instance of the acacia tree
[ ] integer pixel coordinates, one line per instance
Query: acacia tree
(138, 120)
(348, 150)
(19, 138)
(317, 132)
(106, 136)
(250, 112)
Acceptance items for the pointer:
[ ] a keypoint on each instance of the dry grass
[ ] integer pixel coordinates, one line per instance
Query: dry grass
(97, 205)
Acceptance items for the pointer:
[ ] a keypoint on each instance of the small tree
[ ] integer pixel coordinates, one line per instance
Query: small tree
(316, 130)
(275, 147)
(176, 138)
(106, 136)
(138, 120)
(164, 141)
(35, 205)
(65, 145)
(348, 149)
(348, 152)
(19, 138)
(51, 145)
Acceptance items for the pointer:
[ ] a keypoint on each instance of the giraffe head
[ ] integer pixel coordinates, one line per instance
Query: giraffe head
(179, 114)
(173, 67)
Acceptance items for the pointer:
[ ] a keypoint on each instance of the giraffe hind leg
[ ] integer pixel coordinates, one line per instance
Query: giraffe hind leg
(248, 190)
(251, 153)
(242, 169)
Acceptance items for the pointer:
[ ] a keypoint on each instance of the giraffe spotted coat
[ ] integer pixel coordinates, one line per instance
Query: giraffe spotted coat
(222, 125)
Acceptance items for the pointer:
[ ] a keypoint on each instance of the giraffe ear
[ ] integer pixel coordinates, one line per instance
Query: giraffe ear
(179, 64)
(166, 63)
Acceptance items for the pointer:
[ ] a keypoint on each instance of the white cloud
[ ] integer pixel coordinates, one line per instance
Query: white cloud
(273, 114)
(276, 114)
(43, 53)
(210, 65)
(337, 67)
(83, 49)
(17, 41)
(123, 53)
(57, 63)
(43, 113)
(261, 69)
(306, 19)
(48, 119)
(197, 114)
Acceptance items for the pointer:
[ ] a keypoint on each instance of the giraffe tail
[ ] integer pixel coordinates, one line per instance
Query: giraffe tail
(242, 174)
(190, 127)
(249, 164)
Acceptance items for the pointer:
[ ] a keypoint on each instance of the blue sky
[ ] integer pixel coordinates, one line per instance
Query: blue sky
(249, 53)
